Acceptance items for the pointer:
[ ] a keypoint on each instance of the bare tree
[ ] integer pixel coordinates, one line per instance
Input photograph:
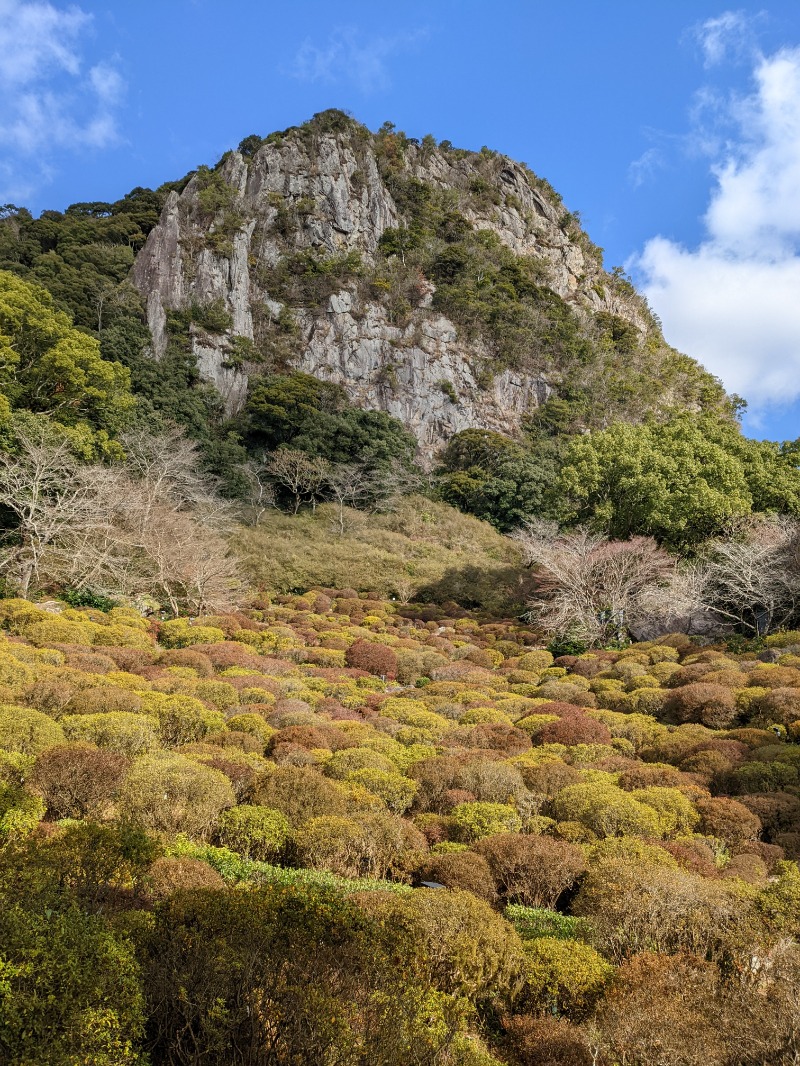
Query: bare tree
(589, 585)
(303, 476)
(753, 581)
(679, 605)
(60, 516)
(152, 525)
(261, 496)
(167, 465)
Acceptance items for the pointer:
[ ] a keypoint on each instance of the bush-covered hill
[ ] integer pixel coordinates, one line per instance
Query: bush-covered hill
(218, 830)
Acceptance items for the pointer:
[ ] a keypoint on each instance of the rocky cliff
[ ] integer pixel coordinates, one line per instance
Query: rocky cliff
(330, 250)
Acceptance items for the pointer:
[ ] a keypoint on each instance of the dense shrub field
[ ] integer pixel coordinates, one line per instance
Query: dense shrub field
(216, 835)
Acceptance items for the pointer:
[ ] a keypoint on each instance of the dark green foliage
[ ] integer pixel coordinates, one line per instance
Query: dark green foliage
(87, 597)
(494, 478)
(309, 277)
(248, 146)
(83, 254)
(314, 416)
(681, 481)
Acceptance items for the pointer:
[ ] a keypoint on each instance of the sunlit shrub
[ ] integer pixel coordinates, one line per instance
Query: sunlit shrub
(127, 734)
(254, 832)
(27, 731)
(169, 793)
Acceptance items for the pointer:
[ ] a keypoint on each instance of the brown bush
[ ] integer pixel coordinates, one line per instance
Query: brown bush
(302, 736)
(644, 775)
(105, 700)
(713, 705)
(132, 660)
(774, 677)
(169, 875)
(550, 777)
(49, 694)
(373, 658)
(78, 780)
(454, 796)
(240, 774)
(531, 870)
(660, 1010)
(727, 819)
(778, 812)
(780, 705)
(90, 662)
(435, 777)
(688, 675)
(748, 867)
(188, 657)
(543, 1041)
(574, 729)
(694, 855)
(463, 869)
(770, 854)
(497, 736)
(300, 793)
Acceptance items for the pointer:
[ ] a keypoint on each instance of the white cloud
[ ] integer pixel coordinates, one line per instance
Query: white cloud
(51, 102)
(733, 302)
(642, 169)
(729, 35)
(347, 57)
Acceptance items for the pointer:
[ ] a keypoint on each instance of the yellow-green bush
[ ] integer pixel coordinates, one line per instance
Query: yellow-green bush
(27, 731)
(128, 734)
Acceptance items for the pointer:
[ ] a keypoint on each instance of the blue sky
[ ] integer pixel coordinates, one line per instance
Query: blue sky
(672, 127)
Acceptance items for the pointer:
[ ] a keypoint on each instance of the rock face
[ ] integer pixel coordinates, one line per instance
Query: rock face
(220, 241)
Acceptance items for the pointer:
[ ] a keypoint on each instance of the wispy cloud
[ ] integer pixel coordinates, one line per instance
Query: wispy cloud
(52, 101)
(641, 170)
(731, 301)
(348, 57)
(731, 35)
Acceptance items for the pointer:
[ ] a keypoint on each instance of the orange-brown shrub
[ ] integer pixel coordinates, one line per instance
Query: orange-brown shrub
(169, 875)
(713, 705)
(460, 870)
(240, 775)
(531, 870)
(373, 658)
(78, 780)
(90, 662)
(132, 660)
(727, 819)
(543, 1041)
(574, 729)
(187, 657)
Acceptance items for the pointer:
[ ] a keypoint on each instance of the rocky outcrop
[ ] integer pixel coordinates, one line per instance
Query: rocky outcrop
(221, 239)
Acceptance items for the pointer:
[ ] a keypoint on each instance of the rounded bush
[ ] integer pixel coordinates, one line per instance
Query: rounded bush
(476, 820)
(26, 731)
(168, 793)
(713, 705)
(177, 633)
(460, 870)
(77, 781)
(255, 832)
(58, 631)
(170, 874)
(127, 734)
